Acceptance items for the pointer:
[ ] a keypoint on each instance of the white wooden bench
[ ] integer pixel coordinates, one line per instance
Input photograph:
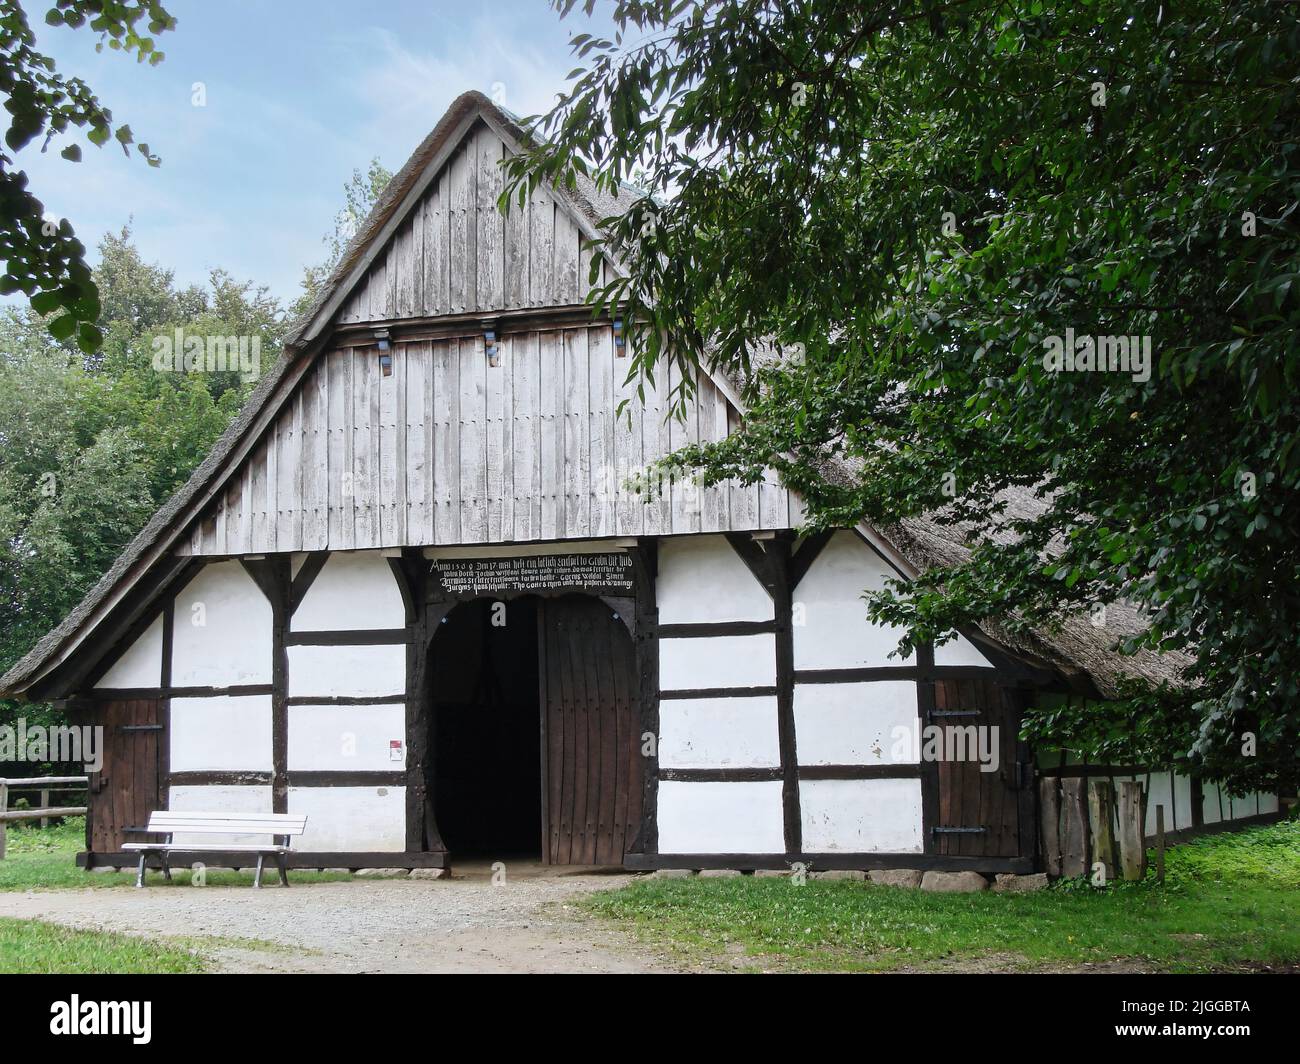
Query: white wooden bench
(168, 822)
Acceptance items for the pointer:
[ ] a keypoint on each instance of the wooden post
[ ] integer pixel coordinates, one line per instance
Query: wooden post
(1074, 827)
(1132, 844)
(1049, 816)
(1160, 844)
(1101, 805)
(45, 804)
(4, 808)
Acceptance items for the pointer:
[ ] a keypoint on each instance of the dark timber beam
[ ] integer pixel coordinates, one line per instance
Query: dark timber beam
(272, 575)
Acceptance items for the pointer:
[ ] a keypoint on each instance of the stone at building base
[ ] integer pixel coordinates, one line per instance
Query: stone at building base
(101, 868)
(896, 877)
(719, 873)
(673, 873)
(430, 873)
(382, 873)
(855, 874)
(772, 873)
(1009, 883)
(954, 882)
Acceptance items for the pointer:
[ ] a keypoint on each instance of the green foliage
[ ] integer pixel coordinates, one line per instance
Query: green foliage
(1227, 903)
(42, 257)
(360, 193)
(907, 201)
(92, 445)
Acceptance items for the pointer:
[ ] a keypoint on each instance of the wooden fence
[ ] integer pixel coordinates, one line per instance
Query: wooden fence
(47, 785)
(1085, 828)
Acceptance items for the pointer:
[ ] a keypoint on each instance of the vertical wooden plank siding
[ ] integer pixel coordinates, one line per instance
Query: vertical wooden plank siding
(449, 450)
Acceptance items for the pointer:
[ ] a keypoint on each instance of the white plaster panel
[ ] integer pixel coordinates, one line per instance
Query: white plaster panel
(346, 738)
(187, 799)
(861, 816)
(717, 661)
(1182, 802)
(718, 733)
(720, 817)
(1158, 792)
(831, 629)
(1246, 805)
(1268, 803)
(352, 591)
(1211, 811)
(961, 651)
(352, 671)
(140, 664)
(221, 734)
(854, 723)
(702, 580)
(362, 819)
(222, 631)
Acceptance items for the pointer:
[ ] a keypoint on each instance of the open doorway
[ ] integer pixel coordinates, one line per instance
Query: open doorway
(486, 722)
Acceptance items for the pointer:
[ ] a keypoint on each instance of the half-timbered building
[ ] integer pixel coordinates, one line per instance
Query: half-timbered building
(412, 595)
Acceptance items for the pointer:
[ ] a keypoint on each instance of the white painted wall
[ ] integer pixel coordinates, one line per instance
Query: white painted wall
(834, 633)
(222, 630)
(353, 591)
(961, 651)
(702, 579)
(221, 734)
(853, 723)
(861, 816)
(351, 818)
(718, 733)
(346, 738)
(140, 664)
(720, 817)
(219, 800)
(353, 671)
(717, 661)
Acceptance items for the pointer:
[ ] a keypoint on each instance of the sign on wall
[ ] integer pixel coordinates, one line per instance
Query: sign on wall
(596, 574)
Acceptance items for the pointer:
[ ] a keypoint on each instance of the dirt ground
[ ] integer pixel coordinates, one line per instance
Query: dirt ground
(465, 924)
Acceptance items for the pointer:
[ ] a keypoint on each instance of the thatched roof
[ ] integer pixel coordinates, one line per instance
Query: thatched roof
(1079, 650)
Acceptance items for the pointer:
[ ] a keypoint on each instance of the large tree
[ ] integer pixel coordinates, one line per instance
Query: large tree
(920, 205)
(42, 256)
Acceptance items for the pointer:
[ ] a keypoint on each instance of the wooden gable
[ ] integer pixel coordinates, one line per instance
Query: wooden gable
(455, 253)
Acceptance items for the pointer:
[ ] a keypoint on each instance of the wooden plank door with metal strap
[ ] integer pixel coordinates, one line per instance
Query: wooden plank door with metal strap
(591, 770)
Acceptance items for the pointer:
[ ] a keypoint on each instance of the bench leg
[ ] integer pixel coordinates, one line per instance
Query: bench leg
(139, 875)
(257, 876)
(283, 861)
(166, 868)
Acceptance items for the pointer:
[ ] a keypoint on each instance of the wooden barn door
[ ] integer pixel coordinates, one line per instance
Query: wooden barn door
(979, 813)
(591, 801)
(128, 786)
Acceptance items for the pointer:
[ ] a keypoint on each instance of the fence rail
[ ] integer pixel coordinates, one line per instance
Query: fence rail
(47, 784)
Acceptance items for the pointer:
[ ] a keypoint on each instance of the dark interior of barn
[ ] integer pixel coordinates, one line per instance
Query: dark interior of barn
(486, 726)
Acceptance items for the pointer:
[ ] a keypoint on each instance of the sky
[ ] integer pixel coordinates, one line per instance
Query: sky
(299, 93)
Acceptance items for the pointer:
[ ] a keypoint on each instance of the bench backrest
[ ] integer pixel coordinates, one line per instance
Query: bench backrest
(171, 821)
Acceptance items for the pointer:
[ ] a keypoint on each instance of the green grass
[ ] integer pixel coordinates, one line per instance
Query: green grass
(1229, 901)
(45, 859)
(30, 947)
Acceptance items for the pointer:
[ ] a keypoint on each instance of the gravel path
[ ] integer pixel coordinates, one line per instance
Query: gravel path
(465, 924)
